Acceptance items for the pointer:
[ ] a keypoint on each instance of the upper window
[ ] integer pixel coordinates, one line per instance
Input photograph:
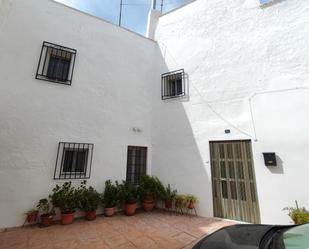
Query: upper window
(73, 161)
(173, 84)
(136, 164)
(56, 63)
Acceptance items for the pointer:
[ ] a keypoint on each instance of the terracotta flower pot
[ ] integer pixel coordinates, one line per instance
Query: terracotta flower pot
(191, 205)
(109, 211)
(92, 215)
(67, 218)
(178, 203)
(46, 220)
(130, 209)
(148, 205)
(168, 203)
(32, 217)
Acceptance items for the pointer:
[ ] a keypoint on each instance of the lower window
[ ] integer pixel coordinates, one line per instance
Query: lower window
(73, 161)
(58, 68)
(136, 164)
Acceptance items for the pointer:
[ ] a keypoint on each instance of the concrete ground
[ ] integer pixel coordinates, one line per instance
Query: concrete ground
(156, 229)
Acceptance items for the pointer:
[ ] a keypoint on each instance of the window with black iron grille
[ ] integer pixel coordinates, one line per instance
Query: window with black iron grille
(73, 161)
(136, 164)
(173, 84)
(56, 63)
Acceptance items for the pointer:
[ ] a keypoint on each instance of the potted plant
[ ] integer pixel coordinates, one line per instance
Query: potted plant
(168, 196)
(46, 218)
(150, 189)
(180, 201)
(129, 196)
(88, 200)
(32, 215)
(110, 198)
(190, 201)
(297, 214)
(64, 198)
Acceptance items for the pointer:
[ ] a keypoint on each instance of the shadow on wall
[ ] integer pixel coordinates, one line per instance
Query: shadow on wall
(277, 169)
(176, 157)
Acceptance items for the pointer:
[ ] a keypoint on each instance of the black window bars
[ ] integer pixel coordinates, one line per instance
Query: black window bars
(73, 161)
(56, 64)
(173, 84)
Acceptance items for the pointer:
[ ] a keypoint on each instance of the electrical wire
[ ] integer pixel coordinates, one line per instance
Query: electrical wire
(269, 92)
(208, 103)
(221, 116)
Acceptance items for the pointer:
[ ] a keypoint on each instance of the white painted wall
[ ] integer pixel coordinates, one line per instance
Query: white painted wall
(233, 51)
(109, 96)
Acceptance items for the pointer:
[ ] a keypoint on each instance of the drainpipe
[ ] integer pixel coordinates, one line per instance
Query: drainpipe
(153, 18)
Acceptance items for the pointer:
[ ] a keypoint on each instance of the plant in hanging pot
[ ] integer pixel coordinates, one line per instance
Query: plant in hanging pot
(168, 195)
(88, 200)
(129, 196)
(191, 201)
(150, 189)
(32, 215)
(110, 198)
(64, 198)
(46, 218)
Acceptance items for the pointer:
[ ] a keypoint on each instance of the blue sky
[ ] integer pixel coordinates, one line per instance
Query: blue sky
(134, 15)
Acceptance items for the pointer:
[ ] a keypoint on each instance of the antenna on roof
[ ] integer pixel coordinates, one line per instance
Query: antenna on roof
(162, 5)
(120, 14)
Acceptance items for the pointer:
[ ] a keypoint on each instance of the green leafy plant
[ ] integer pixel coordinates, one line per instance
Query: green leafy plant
(88, 199)
(191, 199)
(31, 211)
(180, 201)
(299, 215)
(32, 215)
(110, 196)
(128, 192)
(46, 218)
(168, 194)
(45, 206)
(64, 197)
(150, 187)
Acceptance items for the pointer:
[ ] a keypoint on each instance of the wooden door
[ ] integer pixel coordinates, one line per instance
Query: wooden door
(233, 181)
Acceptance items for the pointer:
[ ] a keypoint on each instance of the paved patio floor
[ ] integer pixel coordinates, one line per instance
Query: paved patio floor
(144, 230)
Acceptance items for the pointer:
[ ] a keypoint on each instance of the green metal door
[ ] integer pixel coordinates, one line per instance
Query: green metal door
(233, 181)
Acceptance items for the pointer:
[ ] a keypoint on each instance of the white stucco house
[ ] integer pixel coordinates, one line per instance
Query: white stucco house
(215, 101)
